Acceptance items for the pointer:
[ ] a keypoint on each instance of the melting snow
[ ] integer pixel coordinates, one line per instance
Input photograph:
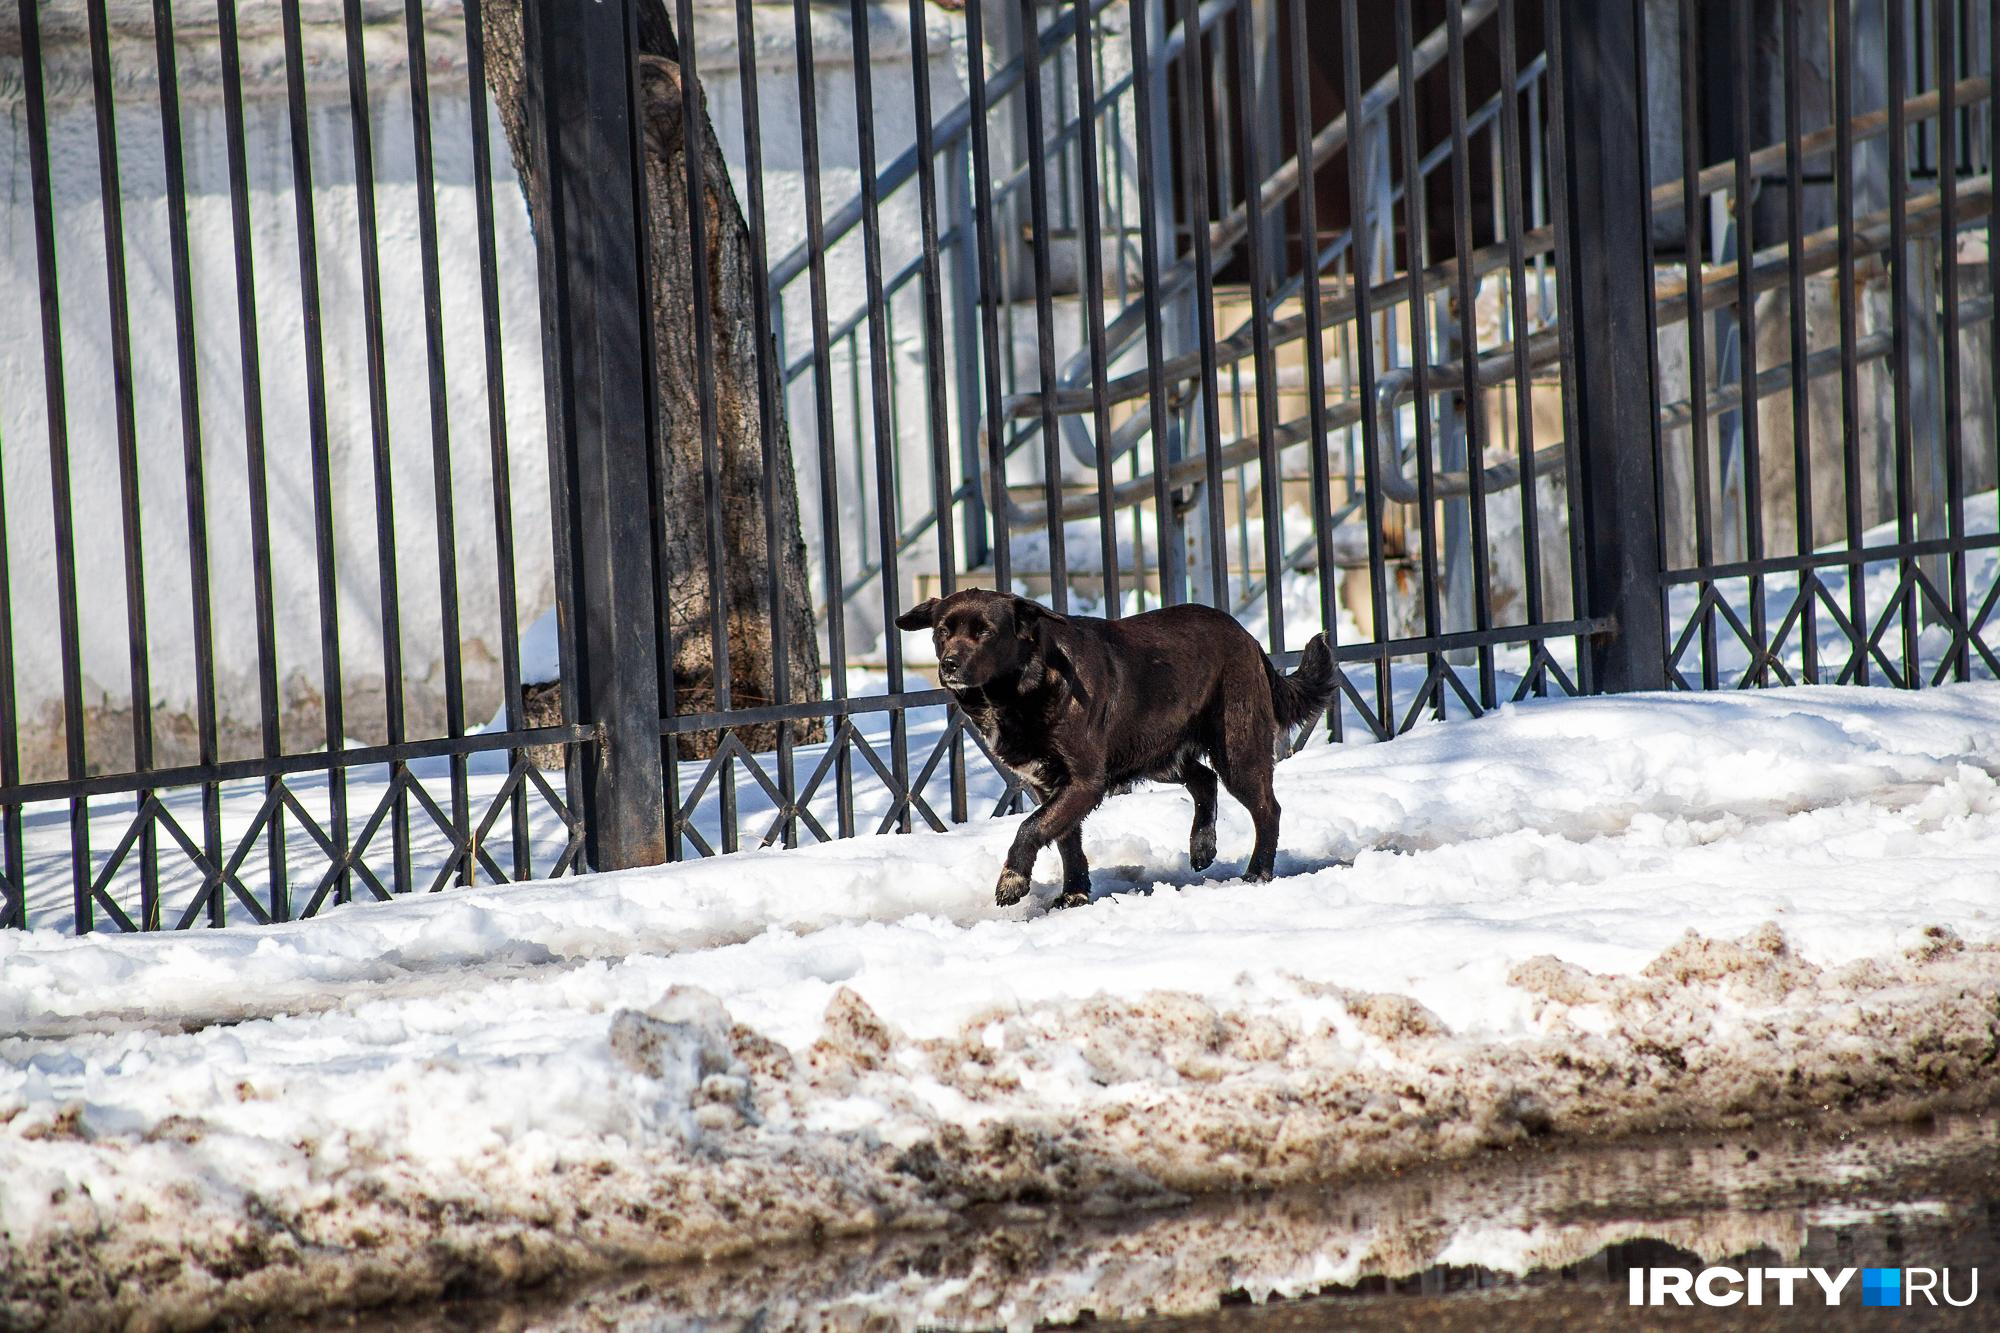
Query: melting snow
(1574, 918)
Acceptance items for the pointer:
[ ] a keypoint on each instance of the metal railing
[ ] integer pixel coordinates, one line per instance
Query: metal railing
(1770, 588)
(185, 819)
(1401, 322)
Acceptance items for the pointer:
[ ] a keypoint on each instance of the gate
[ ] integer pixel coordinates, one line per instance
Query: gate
(1426, 324)
(1827, 442)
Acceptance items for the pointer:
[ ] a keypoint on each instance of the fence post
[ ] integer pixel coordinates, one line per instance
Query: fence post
(581, 103)
(1607, 333)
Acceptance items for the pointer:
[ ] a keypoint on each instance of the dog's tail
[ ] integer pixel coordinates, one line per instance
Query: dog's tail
(1301, 696)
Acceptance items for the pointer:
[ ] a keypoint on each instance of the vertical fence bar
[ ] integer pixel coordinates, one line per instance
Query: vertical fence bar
(1743, 36)
(443, 501)
(139, 663)
(56, 404)
(770, 410)
(829, 468)
(1604, 216)
(1958, 662)
(881, 398)
(1556, 182)
(13, 870)
(565, 484)
(1362, 220)
(1513, 223)
(693, 120)
(501, 461)
(1806, 592)
(1045, 333)
(1155, 169)
(361, 125)
(1319, 465)
(1850, 298)
(1420, 354)
(333, 706)
(1194, 145)
(1993, 246)
(1900, 317)
(1270, 475)
(936, 397)
(988, 250)
(1468, 339)
(201, 621)
(666, 679)
(579, 100)
(1927, 409)
(935, 353)
(1654, 437)
(1694, 224)
(1091, 240)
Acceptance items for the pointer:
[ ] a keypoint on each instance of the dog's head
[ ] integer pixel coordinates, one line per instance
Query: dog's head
(983, 637)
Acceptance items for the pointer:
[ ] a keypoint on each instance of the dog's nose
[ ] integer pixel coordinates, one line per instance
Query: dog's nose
(949, 665)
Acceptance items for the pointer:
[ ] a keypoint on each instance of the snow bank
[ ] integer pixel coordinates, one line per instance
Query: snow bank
(1570, 918)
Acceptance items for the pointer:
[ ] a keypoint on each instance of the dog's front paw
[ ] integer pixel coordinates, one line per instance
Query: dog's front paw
(1073, 898)
(1201, 848)
(1012, 888)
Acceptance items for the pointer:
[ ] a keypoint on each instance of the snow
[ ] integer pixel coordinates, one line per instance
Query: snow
(1570, 917)
(541, 650)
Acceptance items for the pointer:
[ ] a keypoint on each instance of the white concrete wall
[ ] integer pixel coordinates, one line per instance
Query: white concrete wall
(91, 419)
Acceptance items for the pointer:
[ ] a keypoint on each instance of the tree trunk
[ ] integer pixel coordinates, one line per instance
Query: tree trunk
(740, 444)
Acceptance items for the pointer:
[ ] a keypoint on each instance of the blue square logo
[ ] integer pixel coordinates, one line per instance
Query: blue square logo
(1881, 1286)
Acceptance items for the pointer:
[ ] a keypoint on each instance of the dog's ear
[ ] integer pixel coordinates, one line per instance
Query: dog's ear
(1034, 623)
(922, 616)
(1031, 618)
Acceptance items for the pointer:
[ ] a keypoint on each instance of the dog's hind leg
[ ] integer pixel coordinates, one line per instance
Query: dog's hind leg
(1076, 870)
(1200, 780)
(1245, 763)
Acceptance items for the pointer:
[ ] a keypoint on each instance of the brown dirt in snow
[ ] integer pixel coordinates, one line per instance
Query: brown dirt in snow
(1105, 1104)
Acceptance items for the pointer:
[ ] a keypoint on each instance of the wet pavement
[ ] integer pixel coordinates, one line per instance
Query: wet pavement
(1534, 1238)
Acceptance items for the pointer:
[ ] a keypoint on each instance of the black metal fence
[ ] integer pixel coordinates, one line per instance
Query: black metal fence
(1827, 446)
(1345, 317)
(204, 202)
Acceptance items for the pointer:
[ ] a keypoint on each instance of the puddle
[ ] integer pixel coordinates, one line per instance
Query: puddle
(1534, 1238)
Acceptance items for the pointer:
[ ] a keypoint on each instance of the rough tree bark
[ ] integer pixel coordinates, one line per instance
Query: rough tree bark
(740, 444)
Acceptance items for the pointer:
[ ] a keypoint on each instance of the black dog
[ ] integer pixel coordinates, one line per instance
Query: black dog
(1082, 707)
